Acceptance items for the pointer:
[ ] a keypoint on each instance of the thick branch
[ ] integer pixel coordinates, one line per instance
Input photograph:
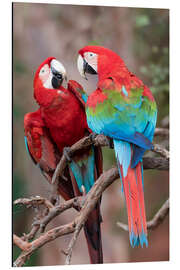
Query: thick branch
(99, 140)
(161, 151)
(156, 163)
(161, 132)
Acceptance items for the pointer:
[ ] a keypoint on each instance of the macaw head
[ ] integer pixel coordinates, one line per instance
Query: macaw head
(50, 74)
(98, 60)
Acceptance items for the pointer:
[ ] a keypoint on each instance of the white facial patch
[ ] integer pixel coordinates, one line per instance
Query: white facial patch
(91, 59)
(46, 74)
(48, 82)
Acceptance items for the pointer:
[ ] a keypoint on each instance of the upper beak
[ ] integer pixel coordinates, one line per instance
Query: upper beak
(81, 64)
(84, 67)
(58, 72)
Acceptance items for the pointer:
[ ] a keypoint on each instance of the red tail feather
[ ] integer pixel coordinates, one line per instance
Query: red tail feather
(134, 194)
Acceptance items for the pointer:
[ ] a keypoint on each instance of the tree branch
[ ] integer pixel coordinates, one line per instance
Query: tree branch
(84, 203)
(89, 203)
(161, 151)
(99, 140)
(39, 242)
(155, 221)
(161, 132)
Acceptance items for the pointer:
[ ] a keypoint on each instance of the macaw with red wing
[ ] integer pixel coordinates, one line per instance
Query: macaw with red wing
(59, 122)
(122, 108)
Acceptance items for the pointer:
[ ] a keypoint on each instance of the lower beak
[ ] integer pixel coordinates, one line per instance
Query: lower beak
(58, 73)
(57, 78)
(56, 82)
(88, 69)
(85, 67)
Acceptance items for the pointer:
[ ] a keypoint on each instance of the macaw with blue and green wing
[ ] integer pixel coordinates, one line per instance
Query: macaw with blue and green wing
(124, 109)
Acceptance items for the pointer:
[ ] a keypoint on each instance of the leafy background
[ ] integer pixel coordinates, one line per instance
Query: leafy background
(141, 37)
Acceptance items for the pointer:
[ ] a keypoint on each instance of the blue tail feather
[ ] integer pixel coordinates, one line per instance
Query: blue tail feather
(83, 171)
(136, 240)
(123, 156)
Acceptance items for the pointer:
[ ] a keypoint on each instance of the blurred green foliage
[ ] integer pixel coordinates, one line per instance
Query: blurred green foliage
(151, 46)
(19, 67)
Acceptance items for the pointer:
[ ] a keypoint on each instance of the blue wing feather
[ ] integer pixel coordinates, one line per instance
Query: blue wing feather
(83, 171)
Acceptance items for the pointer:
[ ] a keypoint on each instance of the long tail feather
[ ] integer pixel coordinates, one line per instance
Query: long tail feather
(83, 172)
(132, 182)
(92, 232)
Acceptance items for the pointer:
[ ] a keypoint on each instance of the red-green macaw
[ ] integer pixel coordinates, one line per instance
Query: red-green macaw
(59, 122)
(122, 108)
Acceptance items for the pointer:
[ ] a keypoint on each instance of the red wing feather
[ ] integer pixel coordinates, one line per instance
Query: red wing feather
(77, 90)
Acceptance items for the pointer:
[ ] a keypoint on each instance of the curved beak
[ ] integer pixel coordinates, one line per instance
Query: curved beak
(84, 67)
(58, 73)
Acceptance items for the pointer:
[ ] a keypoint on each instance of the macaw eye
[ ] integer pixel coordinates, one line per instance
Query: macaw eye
(91, 55)
(43, 70)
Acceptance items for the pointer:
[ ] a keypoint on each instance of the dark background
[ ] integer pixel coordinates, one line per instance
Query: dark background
(141, 37)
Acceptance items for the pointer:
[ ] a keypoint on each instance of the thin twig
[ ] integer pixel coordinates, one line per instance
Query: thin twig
(34, 201)
(32, 233)
(159, 216)
(155, 221)
(41, 241)
(72, 243)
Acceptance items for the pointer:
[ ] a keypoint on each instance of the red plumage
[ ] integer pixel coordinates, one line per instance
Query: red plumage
(133, 190)
(59, 122)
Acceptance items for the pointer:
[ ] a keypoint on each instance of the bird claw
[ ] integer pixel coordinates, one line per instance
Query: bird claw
(67, 153)
(93, 136)
(55, 199)
(110, 143)
(83, 190)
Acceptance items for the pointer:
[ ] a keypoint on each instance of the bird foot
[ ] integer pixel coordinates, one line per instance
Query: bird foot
(110, 143)
(67, 153)
(93, 136)
(83, 190)
(55, 199)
